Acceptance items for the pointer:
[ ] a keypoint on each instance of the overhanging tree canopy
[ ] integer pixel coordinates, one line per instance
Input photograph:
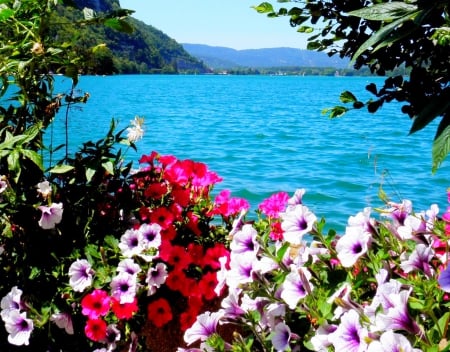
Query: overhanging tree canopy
(384, 35)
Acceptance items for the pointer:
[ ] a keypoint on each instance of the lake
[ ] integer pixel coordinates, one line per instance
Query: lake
(265, 134)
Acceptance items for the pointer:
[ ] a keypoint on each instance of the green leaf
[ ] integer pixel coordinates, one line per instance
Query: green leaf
(336, 111)
(90, 172)
(305, 29)
(385, 11)
(347, 97)
(441, 148)
(264, 7)
(379, 35)
(61, 169)
(5, 13)
(119, 25)
(109, 167)
(34, 157)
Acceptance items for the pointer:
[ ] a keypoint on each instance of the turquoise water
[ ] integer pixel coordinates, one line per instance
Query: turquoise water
(265, 134)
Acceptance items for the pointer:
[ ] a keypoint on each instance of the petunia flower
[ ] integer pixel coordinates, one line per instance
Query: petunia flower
(159, 312)
(123, 287)
(131, 243)
(352, 245)
(204, 327)
(95, 304)
(296, 222)
(80, 273)
(397, 316)
(95, 330)
(281, 337)
(419, 260)
(296, 286)
(444, 279)
(18, 327)
(156, 277)
(63, 321)
(274, 205)
(390, 341)
(51, 216)
(350, 335)
(244, 242)
(129, 266)
(124, 310)
(11, 301)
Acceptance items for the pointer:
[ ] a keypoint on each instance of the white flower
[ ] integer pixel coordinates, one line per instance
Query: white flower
(80, 273)
(352, 245)
(11, 302)
(51, 215)
(135, 132)
(44, 189)
(63, 321)
(18, 327)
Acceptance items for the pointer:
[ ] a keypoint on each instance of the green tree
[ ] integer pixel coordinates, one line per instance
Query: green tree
(385, 35)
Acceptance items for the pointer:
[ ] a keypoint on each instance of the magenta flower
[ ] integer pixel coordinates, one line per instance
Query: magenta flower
(51, 216)
(204, 327)
(96, 304)
(274, 205)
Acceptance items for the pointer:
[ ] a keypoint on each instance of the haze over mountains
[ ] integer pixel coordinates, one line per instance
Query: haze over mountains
(217, 57)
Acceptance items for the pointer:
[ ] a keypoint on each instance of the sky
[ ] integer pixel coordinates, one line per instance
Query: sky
(229, 23)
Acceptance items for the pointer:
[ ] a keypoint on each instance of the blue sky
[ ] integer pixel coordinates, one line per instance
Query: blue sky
(229, 23)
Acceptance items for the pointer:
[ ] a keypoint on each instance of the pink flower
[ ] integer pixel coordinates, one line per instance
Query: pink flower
(95, 304)
(51, 215)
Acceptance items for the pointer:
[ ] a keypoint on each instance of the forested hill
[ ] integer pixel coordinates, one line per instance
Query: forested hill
(146, 50)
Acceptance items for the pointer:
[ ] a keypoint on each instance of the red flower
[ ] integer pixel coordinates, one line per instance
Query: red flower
(149, 159)
(156, 190)
(95, 304)
(196, 253)
(124, 310)
(159, 312)
(169, 234)
(162, 216)
(178, 281)
(174, 255)
(207, 285)
(188, 318)
(95, 329)
(181, 196)
(213, 254)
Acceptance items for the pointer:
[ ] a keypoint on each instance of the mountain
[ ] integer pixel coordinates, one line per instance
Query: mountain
(217, 57)
(146, 50)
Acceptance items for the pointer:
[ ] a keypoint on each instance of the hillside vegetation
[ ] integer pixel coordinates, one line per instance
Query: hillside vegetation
(107, 51)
